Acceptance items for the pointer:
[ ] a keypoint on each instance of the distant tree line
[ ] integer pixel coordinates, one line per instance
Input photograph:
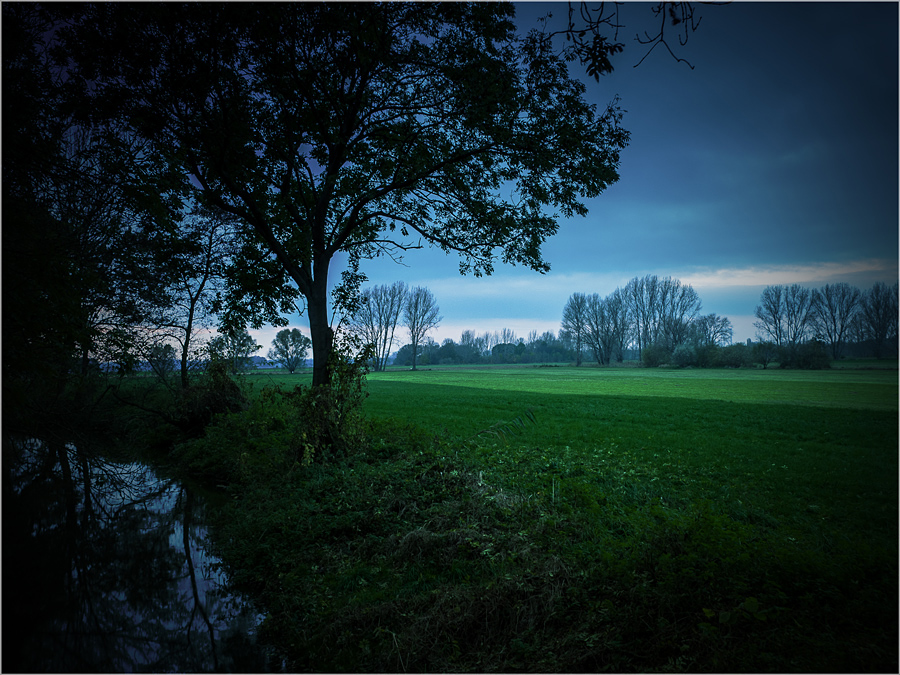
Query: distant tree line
(657, 319)
(490, 347)
(835, 320)
(660, 320)
(653, 320)
(385, 309)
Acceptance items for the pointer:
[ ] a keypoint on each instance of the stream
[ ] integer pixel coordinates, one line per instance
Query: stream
(106, 569)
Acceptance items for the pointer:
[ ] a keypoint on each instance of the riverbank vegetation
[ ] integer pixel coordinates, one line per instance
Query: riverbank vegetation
(572, 520)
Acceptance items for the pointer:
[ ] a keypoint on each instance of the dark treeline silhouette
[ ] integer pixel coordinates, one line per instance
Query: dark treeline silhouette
(497, 347)
(658, 321)
(841, 318)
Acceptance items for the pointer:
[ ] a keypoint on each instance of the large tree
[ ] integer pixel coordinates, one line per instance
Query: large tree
(712, 329)
(878, 315)
(661, 310)
(642, 296)
(364, 129)
(836, 305)
(575, 322)
(770, 323)
(420, 315)
(785, 316)
(597, 328)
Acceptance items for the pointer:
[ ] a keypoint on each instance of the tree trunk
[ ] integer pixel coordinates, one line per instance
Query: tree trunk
(320, 331)
(186, 346)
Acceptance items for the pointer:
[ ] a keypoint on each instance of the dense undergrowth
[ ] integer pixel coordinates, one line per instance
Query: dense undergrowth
(416, 551)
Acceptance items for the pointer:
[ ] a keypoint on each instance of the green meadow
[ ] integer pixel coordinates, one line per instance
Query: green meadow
(581, 519)
(789, 435)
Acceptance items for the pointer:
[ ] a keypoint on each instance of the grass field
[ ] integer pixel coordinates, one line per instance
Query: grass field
(582, 519)
(822, 431)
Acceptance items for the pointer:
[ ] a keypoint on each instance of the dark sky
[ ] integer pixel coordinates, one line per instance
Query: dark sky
(775, 160)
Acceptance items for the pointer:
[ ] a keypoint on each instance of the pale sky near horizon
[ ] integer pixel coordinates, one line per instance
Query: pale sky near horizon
(774, 161)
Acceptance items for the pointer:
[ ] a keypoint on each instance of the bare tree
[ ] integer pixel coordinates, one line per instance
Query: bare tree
(508, 336)
(489, 340)
(712, 329)
(836, 305)
(677, 306)
(596, 333)
(574, 322)
(377, 317)
(420, 315)
(879, 315)
(592, 32)
(770, 315)
(197, 276)
(661, 310)
(799, 312)
(617, 314)
(785, 314)
(642, 297)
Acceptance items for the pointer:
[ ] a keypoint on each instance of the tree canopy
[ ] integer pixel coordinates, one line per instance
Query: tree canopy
(365, 129)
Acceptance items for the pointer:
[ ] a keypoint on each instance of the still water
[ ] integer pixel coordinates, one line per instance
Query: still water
(106, 569)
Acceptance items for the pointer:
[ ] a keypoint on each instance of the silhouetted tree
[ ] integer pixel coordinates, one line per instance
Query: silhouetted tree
(878, 313)
(289, 348)
(711, 329)
(574, 322)
(420, 315)
(235, 348)
(348, 127)
(835, 307)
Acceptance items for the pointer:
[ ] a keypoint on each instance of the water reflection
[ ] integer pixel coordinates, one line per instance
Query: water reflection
(105, 570)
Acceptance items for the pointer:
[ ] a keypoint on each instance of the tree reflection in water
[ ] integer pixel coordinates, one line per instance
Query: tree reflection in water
(104, 569)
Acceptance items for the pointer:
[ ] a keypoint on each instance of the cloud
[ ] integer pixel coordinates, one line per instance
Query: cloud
(811, 273)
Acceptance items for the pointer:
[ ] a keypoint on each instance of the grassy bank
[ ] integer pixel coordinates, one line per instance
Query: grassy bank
(563, 519)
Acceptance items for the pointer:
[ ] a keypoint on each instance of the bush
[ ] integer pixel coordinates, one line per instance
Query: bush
(655, 355)
(329, 419)
(684, 356)
(283, 429)
(764, 352)
(811, 355)
(733, 356)
(215, 393)
(706, 355)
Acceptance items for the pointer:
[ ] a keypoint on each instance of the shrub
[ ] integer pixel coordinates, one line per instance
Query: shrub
(329, 419)
(684, 355)
(733, 356)
(655, 355)
(764, 352)
(213, 394)
(706, 355)
(810, 355)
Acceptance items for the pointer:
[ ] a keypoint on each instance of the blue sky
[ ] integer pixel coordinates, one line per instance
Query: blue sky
(774, 161)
